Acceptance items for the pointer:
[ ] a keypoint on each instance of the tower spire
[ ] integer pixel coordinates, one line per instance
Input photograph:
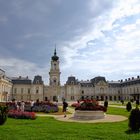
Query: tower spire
(55, 50)
(55, 57)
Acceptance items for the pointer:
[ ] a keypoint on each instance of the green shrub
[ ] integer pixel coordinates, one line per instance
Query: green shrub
(128, 106)
(134, 120)
(3, 114)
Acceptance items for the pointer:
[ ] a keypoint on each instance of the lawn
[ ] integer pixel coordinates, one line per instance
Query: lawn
(50, 129)
(120, 104)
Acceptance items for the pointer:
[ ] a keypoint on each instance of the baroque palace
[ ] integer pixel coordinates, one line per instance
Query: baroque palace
(23, 88)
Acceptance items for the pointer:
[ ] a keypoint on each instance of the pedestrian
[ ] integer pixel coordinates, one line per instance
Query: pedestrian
(137, 103)
(106, 103)
(65, 105)
(32, 105)
(17, 106)
(22, 106)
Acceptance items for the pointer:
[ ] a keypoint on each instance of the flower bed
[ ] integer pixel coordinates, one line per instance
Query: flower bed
(21, 115)
(75, 104)
(45, 106)
(90, 105)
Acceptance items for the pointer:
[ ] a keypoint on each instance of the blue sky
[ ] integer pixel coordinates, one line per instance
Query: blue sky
(92, 37)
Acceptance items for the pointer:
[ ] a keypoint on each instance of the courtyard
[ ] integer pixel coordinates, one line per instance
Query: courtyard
(49, 127)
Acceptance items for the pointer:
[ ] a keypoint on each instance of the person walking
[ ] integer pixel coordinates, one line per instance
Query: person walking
(32, 105)
(137, 103)
(65, 105)
(106, 103)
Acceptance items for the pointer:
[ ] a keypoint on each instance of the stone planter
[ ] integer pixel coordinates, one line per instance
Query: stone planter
(89, 115)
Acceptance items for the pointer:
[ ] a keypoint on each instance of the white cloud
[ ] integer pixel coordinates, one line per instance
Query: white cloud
(120, 47)
(16, 67)
(93, 41)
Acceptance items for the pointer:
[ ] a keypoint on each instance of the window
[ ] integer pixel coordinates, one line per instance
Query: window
(72, 97)
(21, 90)
(15, 90)
(29, 96)
(72, 90)
(37, 81)
(137, 90)
(28, 90)
(72, 82)
(37, 90)
(110, 98)
(21, 96)
(134, 90)
(102, 90)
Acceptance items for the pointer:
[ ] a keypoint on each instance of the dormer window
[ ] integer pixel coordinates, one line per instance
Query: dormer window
(72, 82)
(37, 81)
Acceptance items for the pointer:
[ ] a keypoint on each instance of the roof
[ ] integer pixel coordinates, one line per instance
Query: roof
(97, 79)
(72, 80)
(37, 80)
(86, 84)
(21, 80)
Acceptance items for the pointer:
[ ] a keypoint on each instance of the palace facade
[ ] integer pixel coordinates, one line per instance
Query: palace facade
(23, 88)
(5, 86)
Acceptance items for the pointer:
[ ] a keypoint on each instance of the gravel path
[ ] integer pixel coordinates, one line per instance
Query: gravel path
(70, 118)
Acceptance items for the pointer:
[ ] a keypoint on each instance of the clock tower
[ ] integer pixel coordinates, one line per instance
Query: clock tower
(54, 71)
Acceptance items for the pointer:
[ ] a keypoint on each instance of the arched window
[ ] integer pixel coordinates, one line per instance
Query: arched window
(54, 66)
(101, 90)
(137, 90)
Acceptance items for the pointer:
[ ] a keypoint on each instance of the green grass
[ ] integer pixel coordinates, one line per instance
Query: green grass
(120, 104)
(118, 111)
(48, 128)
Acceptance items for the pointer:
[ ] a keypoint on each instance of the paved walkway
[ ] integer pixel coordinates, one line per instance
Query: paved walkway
(70, 118)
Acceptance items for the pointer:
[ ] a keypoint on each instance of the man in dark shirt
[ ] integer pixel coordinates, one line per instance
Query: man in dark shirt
(65, 105)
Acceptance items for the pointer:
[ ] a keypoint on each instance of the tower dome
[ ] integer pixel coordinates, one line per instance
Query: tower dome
(55, 57)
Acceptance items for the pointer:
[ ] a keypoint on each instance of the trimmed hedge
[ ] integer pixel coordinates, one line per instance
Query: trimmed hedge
(134, 120)
(3, 114)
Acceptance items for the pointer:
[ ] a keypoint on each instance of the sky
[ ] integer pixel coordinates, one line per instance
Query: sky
(92, 37)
